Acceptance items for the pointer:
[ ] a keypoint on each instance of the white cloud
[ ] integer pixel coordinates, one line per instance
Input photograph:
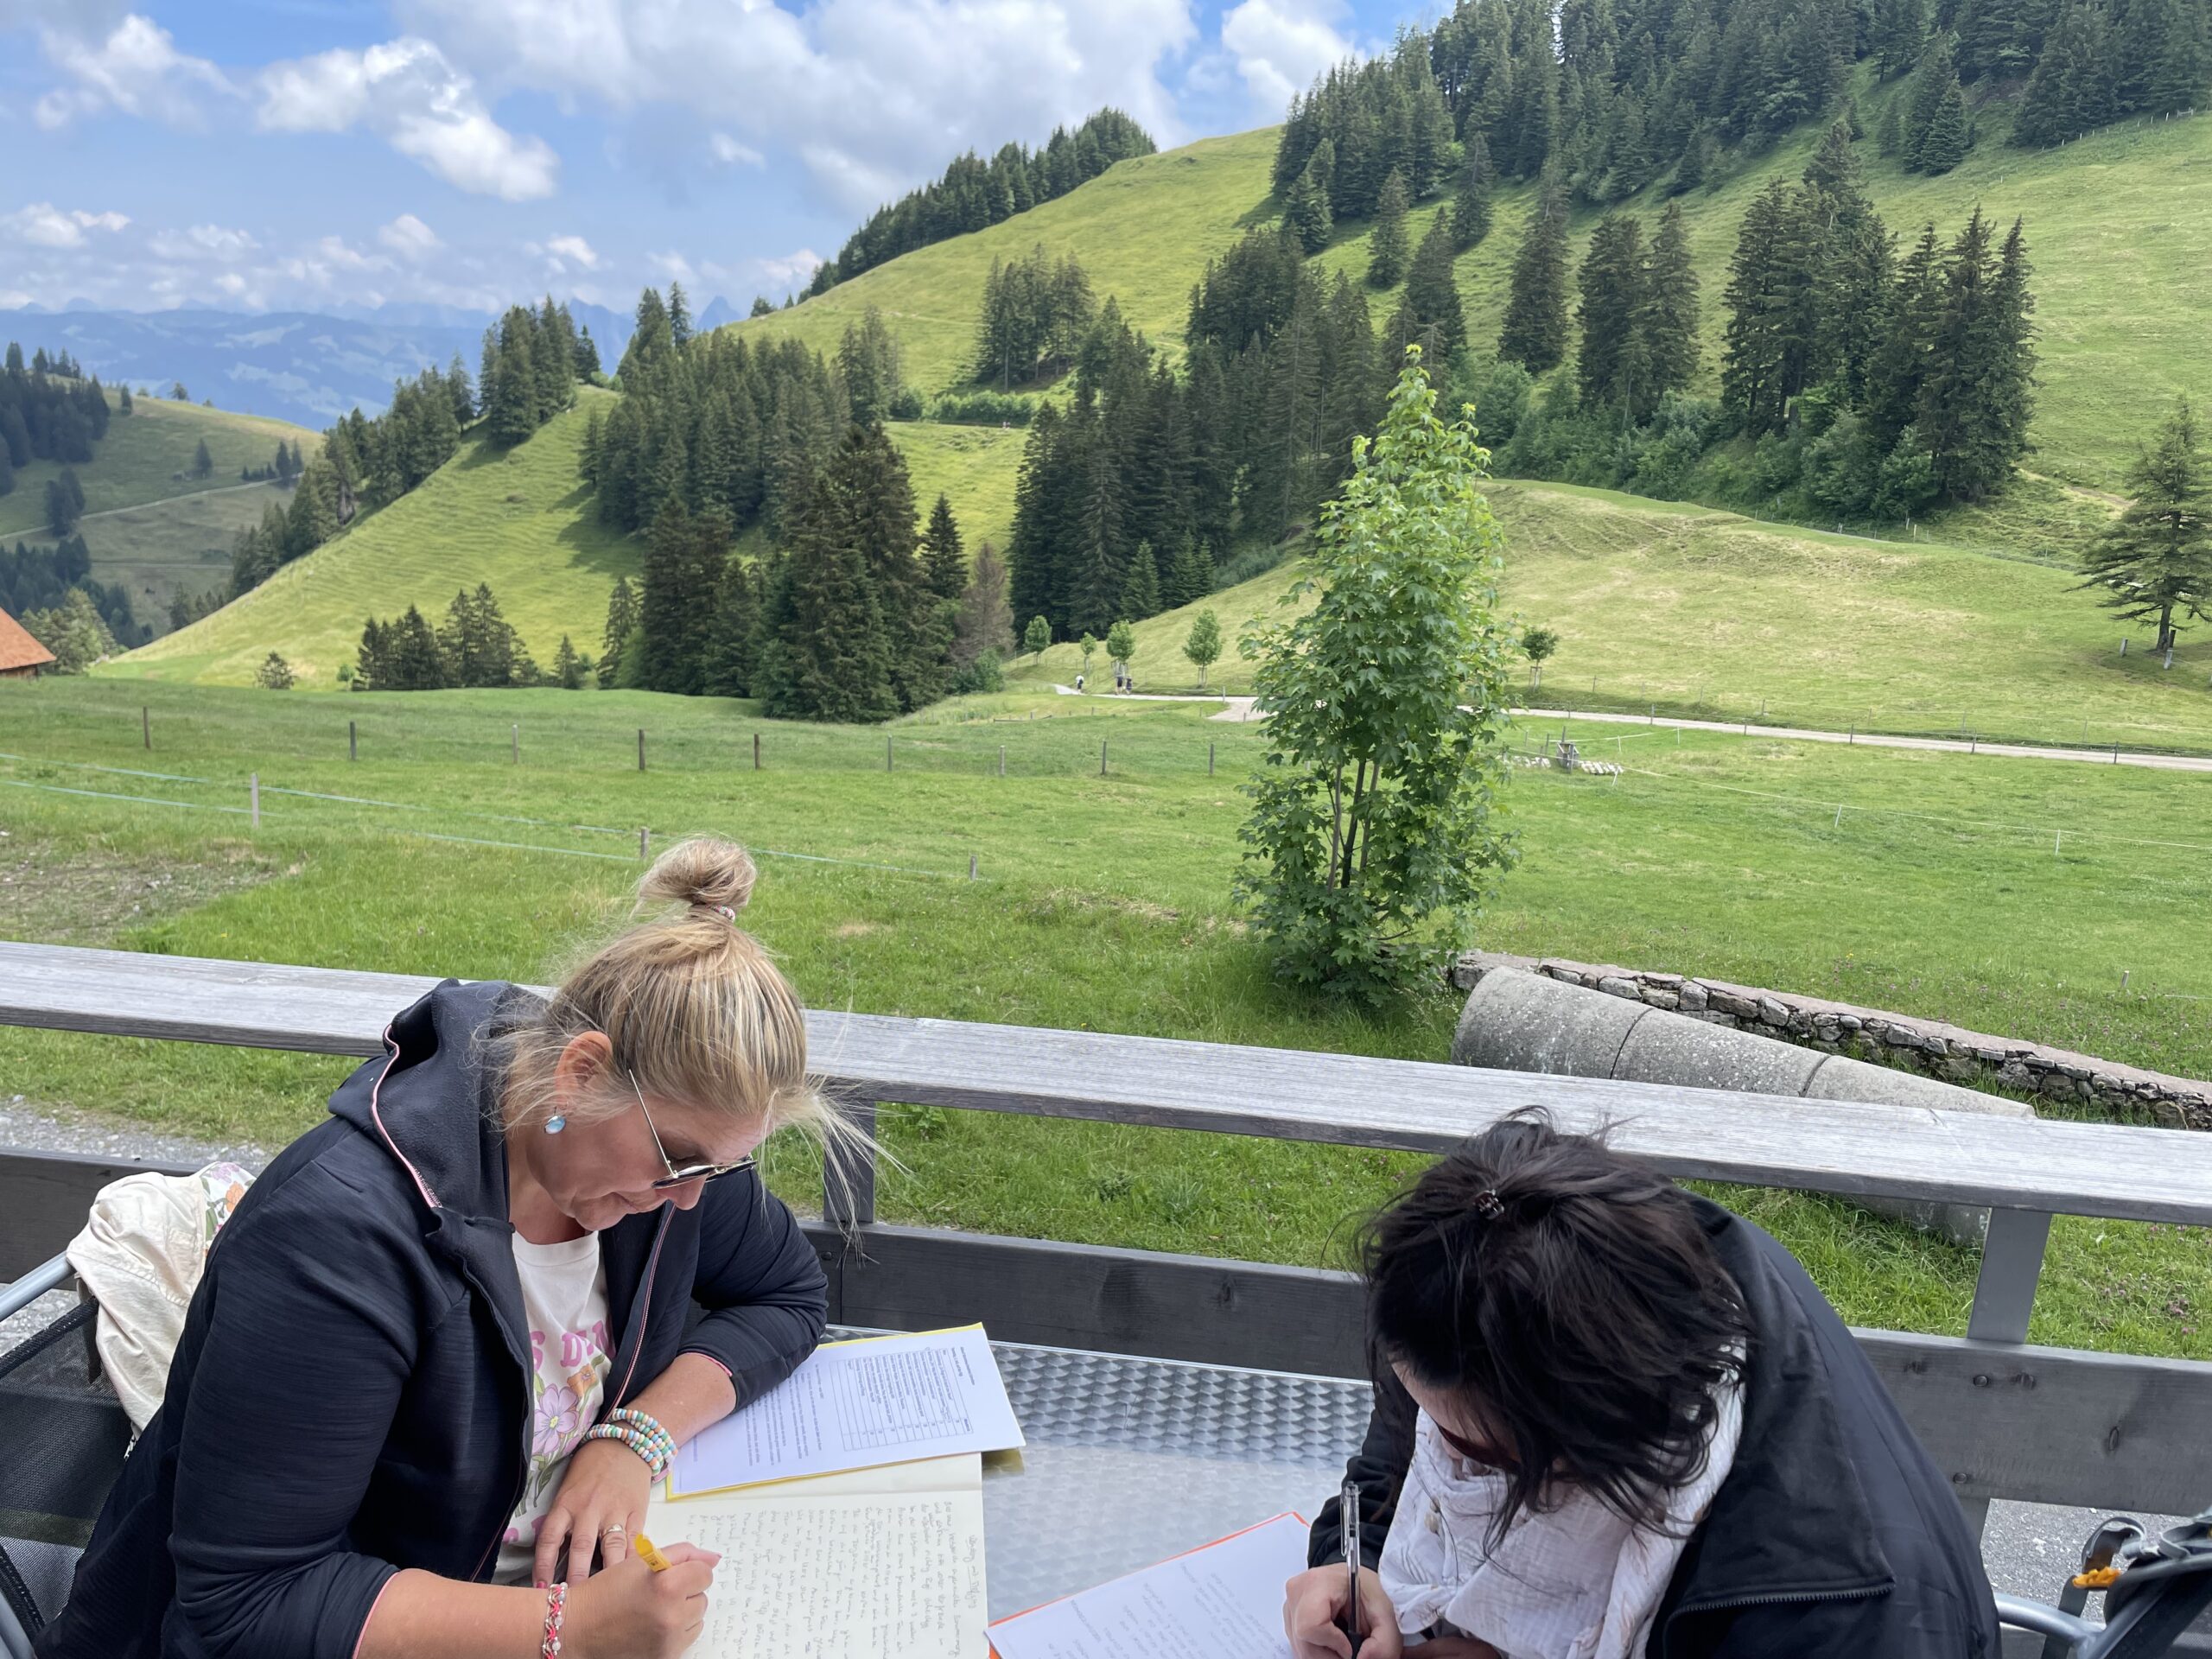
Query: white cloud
(409, 94)
(790, 269)
(1280, 45)
(43, 224)
(203, 242)
(575, 250)
(672, 265)
(873, 94)
(727, 151)
(332, 252)
(136, 68)
(409, 237)
(13, 299)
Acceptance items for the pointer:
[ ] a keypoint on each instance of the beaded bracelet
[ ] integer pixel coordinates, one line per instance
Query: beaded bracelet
(556, 1609)
(643, 1434)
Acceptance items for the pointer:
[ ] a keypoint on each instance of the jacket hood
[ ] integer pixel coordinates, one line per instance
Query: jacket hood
(431, 1101)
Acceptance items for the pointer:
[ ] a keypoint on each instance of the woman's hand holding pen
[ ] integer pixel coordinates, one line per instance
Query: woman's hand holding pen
(1314, 1608)
(627, 1611)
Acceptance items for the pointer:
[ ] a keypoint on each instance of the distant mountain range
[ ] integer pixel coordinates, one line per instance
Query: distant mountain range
(303, 367)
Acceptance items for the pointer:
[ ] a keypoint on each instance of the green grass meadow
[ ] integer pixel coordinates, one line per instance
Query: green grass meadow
(1102, 903)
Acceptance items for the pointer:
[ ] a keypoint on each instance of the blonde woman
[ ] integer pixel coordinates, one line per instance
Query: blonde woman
(446, 1343)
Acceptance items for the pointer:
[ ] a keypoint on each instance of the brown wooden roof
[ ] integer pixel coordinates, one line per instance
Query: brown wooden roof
(17, 649)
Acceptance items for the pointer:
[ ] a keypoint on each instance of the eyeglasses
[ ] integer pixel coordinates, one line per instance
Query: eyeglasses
(688, 1172)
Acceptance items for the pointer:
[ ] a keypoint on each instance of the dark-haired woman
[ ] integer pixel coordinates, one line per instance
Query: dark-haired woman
(1614, 1421)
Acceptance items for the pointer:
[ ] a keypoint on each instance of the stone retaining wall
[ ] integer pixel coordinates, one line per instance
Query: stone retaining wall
(1929, 1046)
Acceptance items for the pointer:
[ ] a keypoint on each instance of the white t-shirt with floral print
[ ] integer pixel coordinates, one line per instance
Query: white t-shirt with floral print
(564, 1303)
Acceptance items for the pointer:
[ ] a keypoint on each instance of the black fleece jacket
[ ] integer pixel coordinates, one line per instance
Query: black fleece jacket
(1833, 1537)
(350, 1394)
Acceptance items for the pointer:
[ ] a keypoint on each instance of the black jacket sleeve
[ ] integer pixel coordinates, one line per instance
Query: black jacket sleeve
(280, 1439)
(766, 1295)
(1379, 1466)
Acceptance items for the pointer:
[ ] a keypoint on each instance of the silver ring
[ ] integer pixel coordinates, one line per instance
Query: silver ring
(615, 1531)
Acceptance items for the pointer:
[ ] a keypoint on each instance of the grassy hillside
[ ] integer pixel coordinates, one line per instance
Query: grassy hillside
(149, 524)
(519, 520)
(1144, 230)
(2120, 244)
(2117, 226)
(1709, 613)
(2118, 230)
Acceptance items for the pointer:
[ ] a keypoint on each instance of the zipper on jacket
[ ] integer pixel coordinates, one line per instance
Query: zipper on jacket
(608, 1402)
(1733, 1602)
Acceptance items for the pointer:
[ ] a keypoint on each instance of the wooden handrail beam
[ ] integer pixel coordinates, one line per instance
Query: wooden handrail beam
(1823, 1146)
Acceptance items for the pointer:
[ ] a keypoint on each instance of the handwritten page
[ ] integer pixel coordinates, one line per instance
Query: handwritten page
(854, 1404)
(824, 1569)
(1222, 1602)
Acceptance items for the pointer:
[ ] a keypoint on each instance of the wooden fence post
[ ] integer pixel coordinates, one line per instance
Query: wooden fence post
(886, 754)
(352, 742)
(1002, 760)
(1102, 757)
(641, 748)
(1209, 759)
(645, 843)
(756, 751)
(971, 867)
(146, 726)
(517, 731)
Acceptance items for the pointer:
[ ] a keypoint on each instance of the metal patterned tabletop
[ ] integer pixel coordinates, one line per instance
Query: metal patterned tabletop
(1130, 1461)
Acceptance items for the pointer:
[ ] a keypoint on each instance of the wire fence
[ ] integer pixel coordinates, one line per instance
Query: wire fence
(645, 835)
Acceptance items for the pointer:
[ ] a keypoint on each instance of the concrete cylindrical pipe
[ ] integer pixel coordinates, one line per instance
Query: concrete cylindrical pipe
(1519, 1021)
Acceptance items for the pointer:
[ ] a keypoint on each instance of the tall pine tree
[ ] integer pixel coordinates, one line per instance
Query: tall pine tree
(1534, 334)
(2156, 559)
(945, 566)
(1471, 207)
(1386, 242)
(1612, 284)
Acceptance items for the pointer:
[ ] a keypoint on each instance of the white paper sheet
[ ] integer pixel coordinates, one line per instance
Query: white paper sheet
(879, 1564)
(1222, 1602)
(854, 1404)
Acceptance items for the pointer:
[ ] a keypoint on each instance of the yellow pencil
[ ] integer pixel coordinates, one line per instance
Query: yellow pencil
(647, 1554)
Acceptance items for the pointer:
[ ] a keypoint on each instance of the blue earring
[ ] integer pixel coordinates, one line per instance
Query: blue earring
(556, 1123)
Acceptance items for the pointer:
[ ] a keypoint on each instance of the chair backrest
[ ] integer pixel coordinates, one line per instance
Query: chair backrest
(63, 1435)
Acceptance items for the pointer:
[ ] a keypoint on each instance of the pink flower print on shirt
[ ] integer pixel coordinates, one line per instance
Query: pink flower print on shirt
(560, 1421)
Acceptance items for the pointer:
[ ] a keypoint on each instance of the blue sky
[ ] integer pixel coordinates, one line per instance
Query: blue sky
(300, 154)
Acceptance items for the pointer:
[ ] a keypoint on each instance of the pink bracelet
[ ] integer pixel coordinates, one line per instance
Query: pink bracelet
(556, 1608)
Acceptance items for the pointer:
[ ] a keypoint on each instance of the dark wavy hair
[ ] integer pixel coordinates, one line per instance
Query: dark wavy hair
(1583, 1316)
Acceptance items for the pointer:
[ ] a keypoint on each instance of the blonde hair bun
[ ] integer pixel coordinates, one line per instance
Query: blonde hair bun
(704, 870)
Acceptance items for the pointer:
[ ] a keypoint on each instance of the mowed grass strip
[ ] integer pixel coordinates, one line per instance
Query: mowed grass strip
(1103, 904)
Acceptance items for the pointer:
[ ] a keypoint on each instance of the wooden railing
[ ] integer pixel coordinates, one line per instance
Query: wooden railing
(2005, 1419)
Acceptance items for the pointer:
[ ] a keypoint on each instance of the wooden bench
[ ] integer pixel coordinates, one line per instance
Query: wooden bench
(2005, 1419)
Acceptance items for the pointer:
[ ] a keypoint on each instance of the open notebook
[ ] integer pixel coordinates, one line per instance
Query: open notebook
(884, 1563)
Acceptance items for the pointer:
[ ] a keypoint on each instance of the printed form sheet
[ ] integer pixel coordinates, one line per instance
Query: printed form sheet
(1222, 1602)
(854, 1404)
(877, 1564)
